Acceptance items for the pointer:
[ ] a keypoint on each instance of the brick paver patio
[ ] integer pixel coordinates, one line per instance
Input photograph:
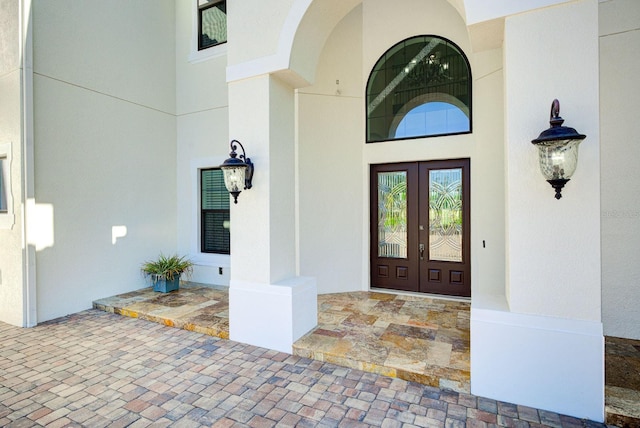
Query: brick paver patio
(98, 369)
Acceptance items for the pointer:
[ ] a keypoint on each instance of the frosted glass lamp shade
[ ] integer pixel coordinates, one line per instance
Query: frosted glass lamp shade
(559, 160)
(234, 177)
(237, 171)
(558, 150)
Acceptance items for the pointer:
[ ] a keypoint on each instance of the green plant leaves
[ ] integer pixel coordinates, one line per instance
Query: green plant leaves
(167, 267)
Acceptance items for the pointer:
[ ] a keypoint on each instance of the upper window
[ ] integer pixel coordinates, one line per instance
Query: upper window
(420, 87)
(214, 213)
(212, 23)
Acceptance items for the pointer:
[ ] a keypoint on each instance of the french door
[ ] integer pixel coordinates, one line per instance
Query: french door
(420, 227)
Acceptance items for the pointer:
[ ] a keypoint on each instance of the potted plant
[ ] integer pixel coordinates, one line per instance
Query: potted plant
(165, 271)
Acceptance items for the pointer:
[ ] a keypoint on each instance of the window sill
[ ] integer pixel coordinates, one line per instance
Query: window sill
(207, 54)
(214, 260)
(7, 221)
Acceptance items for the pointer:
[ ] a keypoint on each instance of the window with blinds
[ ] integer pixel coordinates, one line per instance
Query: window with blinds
(214, 213)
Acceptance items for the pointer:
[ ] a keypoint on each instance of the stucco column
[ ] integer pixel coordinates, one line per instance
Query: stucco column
(270, 305)
(17, 260)
(543, 345)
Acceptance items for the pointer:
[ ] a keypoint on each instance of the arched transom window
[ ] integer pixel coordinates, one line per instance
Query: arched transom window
(420, 87)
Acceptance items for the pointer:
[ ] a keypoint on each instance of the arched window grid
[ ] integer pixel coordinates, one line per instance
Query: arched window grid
(415, 71)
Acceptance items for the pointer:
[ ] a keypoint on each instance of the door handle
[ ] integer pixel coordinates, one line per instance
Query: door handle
(421, 250)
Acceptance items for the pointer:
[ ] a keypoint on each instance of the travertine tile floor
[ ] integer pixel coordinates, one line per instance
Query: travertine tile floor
(622, 378)
(409, 337)
(388, 334)
(194, 307)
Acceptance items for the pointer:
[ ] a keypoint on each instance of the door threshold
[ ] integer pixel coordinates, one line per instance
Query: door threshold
(416, 294)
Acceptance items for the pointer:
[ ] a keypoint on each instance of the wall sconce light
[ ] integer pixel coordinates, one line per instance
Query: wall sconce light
(558, 150)
(237, 171)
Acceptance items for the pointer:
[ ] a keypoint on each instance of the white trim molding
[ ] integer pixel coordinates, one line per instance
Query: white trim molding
(197, 256)
(195, 55)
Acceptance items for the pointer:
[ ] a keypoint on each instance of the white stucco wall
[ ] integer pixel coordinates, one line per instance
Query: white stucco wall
(265, 283)
(105, 150)
(486, 10)
(619, 106)
(10, 36)
(548, 329)
(268, 17)
(488, 177)
(262, 115)
(330, 143)
(202, 139)
(11, 254)
(553, 245)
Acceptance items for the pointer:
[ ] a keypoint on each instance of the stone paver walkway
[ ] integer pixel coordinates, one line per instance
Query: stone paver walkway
(98, 369)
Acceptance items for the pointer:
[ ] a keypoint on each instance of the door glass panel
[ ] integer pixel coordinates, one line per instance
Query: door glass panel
(445, 215)
(392, 214)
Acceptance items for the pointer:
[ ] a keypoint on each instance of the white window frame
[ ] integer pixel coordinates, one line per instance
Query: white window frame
(7, 220)
(198, 257)
(196, 56)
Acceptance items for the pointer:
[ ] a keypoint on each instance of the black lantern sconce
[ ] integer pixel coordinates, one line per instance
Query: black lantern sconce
(558, 150)
(237, 171)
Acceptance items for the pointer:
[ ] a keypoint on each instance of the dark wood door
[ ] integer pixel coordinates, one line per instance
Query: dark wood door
(394, 220)
(420, 227)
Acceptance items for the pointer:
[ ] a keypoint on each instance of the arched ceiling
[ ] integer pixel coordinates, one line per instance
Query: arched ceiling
(310, 22)
(305, 38)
